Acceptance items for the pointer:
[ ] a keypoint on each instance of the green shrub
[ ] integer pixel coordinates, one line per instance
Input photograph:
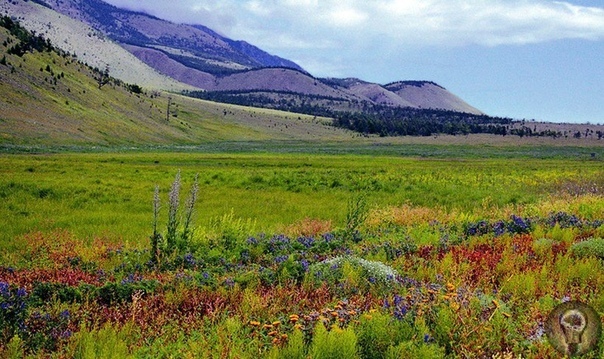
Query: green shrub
(334, 344)
(593, 247)
(106, 342)
(379, 332)
(294, 349)
(412, 350)
(543, 246)
(373, 271)
(44, 292)
(15, 349)
(356, 215)
(113, 293)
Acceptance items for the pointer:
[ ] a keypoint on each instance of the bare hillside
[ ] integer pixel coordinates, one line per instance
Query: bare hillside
(425, 94)
(90, 46)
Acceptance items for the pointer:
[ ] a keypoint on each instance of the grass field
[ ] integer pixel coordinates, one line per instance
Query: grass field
(294, 253)
(91, 194)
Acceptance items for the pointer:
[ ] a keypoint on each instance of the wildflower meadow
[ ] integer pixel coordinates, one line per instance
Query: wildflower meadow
(191, 255)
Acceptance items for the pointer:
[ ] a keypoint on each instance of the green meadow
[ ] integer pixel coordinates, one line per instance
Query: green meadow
(415, 251)
(109, 194)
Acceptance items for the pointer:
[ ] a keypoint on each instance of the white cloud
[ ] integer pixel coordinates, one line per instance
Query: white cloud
(435, 22)
(300, 29)
(417, 22)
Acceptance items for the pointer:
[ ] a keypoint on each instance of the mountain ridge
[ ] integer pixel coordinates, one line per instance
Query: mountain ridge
(199, 57)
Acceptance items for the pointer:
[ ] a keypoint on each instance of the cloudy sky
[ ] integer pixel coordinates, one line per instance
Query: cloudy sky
(533, 59)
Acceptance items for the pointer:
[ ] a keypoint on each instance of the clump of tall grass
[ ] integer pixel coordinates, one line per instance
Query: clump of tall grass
(178, 229)
(356, 215)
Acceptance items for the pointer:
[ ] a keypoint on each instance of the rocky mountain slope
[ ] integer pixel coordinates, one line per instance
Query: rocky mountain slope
(195, 57)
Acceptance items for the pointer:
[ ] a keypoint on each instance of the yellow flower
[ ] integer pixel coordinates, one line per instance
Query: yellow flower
(267, 326)
(276, 323)
(254, 323)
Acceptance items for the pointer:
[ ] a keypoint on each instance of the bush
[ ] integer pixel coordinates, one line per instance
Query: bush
(334, 344)
(107, 342)
(593, 247)
(113, 293)
(376, 334)
(294, 349)
(411, 350)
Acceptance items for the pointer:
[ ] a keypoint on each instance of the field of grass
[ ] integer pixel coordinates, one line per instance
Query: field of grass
(295, 254)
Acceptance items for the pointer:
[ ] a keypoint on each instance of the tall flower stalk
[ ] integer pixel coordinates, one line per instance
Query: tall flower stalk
(173, 222)
(156, 238)
(189, 207)
(178, 233)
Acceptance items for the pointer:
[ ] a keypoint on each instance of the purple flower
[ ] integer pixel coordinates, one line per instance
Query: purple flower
(229, 282)
(21, 292)
(65, 314)
(306, 241)
(252, 241)
(499, 228)
(4, 288)
(281, 259)
(304, 264)
(400, 312)
(328, 237)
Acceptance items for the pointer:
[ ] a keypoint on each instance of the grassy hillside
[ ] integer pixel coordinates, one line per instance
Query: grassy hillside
(50, 98)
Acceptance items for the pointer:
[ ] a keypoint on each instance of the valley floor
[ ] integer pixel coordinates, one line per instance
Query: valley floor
(452, 254)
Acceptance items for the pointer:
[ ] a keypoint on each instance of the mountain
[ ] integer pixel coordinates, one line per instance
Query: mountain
(51, 98)
(196, 57)
(193, 45)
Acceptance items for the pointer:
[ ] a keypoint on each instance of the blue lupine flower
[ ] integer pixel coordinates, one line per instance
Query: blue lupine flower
(21, 292)
(304, 264)
(400, 312)
(499, 228)
(281, 259)
(328, 237)
(4, 289)
(306, 241)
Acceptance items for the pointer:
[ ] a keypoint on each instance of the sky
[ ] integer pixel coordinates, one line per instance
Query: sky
(525, 59)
